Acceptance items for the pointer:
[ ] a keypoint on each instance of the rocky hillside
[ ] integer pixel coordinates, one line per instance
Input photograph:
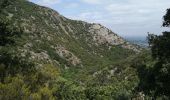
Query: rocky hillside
(44, 26)
(81, 51)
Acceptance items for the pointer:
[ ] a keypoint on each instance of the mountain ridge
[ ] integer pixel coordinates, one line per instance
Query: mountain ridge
(88, 56)
(52, 24)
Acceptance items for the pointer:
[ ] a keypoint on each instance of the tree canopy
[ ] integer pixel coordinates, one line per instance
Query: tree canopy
(155, 79)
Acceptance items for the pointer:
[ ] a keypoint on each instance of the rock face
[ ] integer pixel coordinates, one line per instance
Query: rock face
(103, 35)
(70, 57)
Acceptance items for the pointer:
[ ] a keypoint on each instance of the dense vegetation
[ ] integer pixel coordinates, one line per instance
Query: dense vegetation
(22, 80)
(154, 74)
(39, 60)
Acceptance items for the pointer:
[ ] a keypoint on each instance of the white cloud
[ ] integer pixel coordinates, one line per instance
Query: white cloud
(72, 5)
(92, 17)
(122, 16)
(93, 1)
(138, 11)
(128, 17)
(48, 2)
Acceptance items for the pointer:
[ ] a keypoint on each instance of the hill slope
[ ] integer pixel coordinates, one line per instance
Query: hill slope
(86, 54)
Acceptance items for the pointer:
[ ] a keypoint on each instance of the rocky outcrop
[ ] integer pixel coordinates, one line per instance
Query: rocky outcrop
(68, 56)
(103, 35)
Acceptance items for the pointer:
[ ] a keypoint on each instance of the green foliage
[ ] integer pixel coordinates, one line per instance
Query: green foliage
(6, 35)
(20, 79)
(166, 18)
(4, 3)
(154, 70)
(14, 88)
(67, 90)
(160, 46)
(161, 70)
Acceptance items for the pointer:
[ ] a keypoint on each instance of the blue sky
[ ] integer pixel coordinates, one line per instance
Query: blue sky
(125, 17)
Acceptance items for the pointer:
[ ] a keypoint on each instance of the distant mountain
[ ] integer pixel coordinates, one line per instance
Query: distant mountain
(141, 41)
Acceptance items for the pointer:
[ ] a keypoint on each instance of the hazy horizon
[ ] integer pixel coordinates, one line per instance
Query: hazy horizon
(128, 18)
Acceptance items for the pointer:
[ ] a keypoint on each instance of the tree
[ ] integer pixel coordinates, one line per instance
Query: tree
(160, 46)
(159, 72)
(166, 18)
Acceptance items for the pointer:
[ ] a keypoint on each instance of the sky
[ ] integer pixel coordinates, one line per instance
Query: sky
(128, 18)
